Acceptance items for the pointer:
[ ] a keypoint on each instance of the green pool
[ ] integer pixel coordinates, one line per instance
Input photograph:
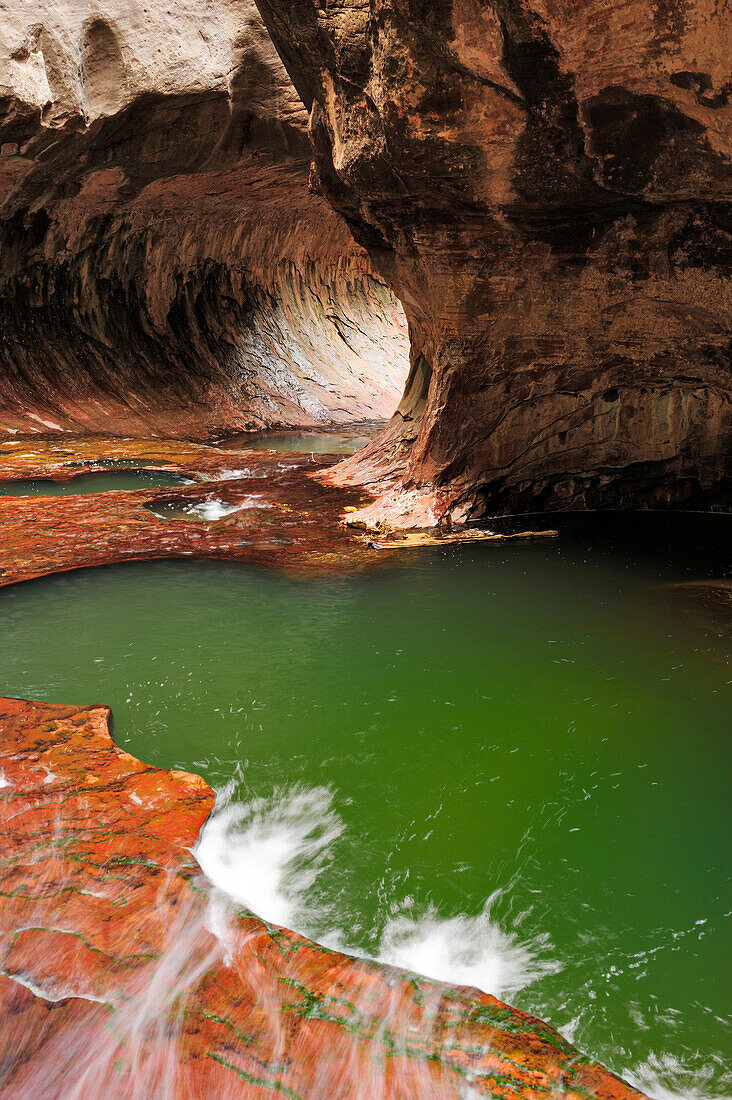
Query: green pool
(502, 765)
(344, 441)
(105, 481)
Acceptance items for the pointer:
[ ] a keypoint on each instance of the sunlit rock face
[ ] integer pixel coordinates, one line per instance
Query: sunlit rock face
(164, 266)
(546, 187)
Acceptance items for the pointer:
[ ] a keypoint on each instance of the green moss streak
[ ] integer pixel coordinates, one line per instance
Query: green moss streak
(252, 1079)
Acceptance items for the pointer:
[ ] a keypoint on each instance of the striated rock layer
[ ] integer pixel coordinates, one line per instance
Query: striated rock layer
(125, 975)
(243, 506)
(164, 267)
(546, 187)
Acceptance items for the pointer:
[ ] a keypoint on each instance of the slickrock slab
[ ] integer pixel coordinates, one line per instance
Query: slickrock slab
(126, 975)
(283, 518)
(268, 509)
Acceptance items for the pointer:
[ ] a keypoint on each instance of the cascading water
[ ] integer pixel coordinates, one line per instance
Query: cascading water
(209, 988)
(267, 854)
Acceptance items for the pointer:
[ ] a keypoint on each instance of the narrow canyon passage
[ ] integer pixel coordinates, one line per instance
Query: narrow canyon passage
(519, 214)
(166, 269)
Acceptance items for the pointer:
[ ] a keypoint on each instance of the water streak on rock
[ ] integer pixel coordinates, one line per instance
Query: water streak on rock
(125, 974)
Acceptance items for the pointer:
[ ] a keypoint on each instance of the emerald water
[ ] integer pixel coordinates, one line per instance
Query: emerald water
(498, 764)
(103, 482)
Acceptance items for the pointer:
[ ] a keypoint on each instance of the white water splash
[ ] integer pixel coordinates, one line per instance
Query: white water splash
(267, 854)
(235, 475)
(466, 950)
(213, 508)
(665, 1077)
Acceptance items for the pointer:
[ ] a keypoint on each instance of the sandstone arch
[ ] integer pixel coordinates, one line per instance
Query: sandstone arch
(546, 188)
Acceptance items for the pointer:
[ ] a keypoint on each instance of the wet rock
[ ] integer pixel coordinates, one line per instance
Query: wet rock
(249, 506)
(126, 974)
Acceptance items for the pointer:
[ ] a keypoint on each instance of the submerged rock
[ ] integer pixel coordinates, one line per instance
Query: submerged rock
(707, 602)
(125, 975)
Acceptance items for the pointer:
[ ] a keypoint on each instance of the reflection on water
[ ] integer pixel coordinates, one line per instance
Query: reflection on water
(345, 441)
(500, 764)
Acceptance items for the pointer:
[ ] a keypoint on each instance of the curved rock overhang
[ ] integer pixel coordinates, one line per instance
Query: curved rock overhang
(546, 188)
(165, 268)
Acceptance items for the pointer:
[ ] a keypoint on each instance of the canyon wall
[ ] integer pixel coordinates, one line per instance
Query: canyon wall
(545, 185)
(165, 267)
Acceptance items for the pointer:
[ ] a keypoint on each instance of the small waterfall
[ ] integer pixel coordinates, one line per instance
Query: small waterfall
(268, 853)
(466, 950)
(131, 977)
(126, 974)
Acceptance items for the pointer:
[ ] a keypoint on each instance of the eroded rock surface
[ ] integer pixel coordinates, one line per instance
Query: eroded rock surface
(243, 506)
(546, 188)
(164, 267)
(125, 975)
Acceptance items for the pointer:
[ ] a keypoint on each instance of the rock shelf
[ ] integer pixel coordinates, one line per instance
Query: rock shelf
(125, 974)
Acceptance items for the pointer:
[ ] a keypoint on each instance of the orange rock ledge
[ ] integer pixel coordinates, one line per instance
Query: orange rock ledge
(125, 974)
(296, 523)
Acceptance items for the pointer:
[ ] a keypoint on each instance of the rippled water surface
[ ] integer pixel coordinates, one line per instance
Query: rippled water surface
(503, 765)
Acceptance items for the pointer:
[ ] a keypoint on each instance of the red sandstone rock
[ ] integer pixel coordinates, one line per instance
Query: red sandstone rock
(546, 188)
(285, 518)
(164, 267)
(125, 976)
(275, 512)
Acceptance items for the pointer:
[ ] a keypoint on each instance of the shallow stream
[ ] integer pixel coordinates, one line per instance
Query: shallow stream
(503, 765)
